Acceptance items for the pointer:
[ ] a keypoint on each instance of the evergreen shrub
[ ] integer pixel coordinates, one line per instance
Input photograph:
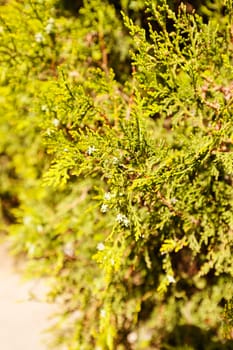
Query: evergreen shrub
(116, 143)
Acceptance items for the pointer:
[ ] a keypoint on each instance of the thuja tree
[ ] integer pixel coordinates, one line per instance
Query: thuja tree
(117, 176)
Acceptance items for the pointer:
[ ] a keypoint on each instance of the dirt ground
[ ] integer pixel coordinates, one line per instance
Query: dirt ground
(22, 320)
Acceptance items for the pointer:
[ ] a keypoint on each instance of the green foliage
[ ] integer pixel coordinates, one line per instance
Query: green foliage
(117, 175)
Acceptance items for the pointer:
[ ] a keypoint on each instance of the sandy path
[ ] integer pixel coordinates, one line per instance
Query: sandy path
(22, 321)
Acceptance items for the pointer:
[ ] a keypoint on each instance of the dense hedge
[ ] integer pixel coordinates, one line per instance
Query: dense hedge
(116, 141)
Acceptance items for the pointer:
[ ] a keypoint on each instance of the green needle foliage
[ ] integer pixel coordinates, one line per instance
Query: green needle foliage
(116, 144)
